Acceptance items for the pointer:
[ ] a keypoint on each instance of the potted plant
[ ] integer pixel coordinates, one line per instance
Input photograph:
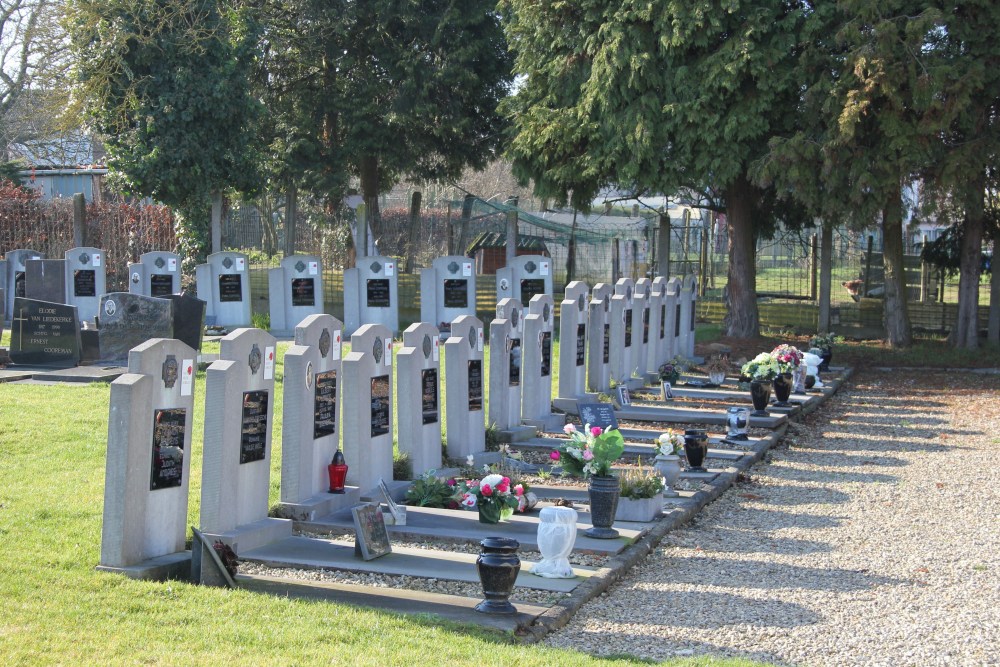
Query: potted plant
(761, 370)
(589, 454)
(641, 495)
(492, 495)
(717, 366)
(668, 460)
(429, 490)
(824, 342)
(788, 359)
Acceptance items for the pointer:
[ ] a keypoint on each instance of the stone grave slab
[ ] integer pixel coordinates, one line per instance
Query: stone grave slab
(367, 408)
(524, 277)
(691, 416)
(128, 320)
(44, 334)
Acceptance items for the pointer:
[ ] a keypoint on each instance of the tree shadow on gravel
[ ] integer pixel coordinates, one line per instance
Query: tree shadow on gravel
(824, 476)
(781, 494)
(821, 457)
(706, 610)
(840, 444)
(755, 518)
(765, 545)
(769, 575)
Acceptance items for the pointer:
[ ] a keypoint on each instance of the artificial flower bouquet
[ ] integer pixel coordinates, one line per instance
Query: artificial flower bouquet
(824, 341)
(762, 368)
(787, 356)
(591, 452)
(492, 490)
(670, 444)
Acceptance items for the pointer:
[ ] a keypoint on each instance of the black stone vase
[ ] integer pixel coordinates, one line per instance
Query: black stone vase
(604, 492)
(782, 390)
(760, 394)
(498, 566)
(696, 448)
(826, 356)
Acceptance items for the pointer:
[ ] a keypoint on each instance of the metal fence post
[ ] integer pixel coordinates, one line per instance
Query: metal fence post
(79, 220)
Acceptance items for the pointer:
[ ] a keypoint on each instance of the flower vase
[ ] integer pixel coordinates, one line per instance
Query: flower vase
(826, 356)
(497, 567)
(696, 448)
(716, 377)
(603, 491)
(493, 512)
(760, 394)
(782, 390)
(669, 467)
(800, 379)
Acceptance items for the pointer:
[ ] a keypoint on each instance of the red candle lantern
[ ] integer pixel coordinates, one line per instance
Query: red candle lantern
(338, 473)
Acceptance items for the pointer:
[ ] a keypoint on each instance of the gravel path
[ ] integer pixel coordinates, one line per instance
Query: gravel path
(874, 539)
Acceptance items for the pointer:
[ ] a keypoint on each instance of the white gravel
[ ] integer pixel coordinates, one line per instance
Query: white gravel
(874, 539)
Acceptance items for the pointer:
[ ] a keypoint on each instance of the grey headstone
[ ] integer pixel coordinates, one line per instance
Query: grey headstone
(127, 320)
(466, 395)
(85, 280)
(45, 280)
(14, 277)
(189, 319)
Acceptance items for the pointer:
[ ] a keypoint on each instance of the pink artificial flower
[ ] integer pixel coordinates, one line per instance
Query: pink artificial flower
(486, 490)
(505, 481)
(569, 429)
(519, 490)
(503, 488)
(595, 431)
(554, 456)
(588, 455)
(451, 482)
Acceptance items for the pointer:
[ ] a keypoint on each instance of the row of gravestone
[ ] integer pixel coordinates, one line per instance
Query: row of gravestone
(327, 396)
(447, 288)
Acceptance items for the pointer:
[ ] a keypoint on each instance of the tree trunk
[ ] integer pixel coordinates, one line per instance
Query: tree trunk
(895, 316)
(291, 218)
(216, 224)
(414, 232)
(742, 317)
(965, 333)
(369, 191)
(993, 326)
(571, 252)
(663, 246)
(825, 272)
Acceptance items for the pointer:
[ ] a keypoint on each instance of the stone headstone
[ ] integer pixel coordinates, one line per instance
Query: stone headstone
(224, 286)
(310, 425)
(418, 396)
(574, 312)
(622, 330)
(658, 323)
(524, 277)
(505, 365)
(85, 280)
(295, 292)
(640, 318)
(537, 366)
(687, 298)
(45, 280)
(447, 290)
(671, 303)
(147, 476)
(127, 320)
(599, 339)
(367, 400)
(371, 295)
(13, 280)
(466, 396)
(43, 333)
(156, 274)
(189, 319)
(236, 461)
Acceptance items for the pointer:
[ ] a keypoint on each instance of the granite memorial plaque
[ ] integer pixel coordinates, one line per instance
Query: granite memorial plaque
(598, 414)
(253, 428)
(581, 344)
(19, 284)
(325, 405)
(189, 319)
(168, 448)
(606, 351)
(128, 320)
(45, 280)
(514, 375)
(628, 327)
(475, 384)
(380, 406)
(429, 395)
(84, 282)
(677, 322)
(530, 287)
(161, 284)
(456, 293)
(378, 293)
(303, 291)
(546, 353)
(645, 325)
(663, 320)
(230, 287)
(44, 334)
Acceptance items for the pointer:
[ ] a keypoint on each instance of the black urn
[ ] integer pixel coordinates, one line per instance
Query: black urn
(760, 394)
(498, 566)
(696, 448)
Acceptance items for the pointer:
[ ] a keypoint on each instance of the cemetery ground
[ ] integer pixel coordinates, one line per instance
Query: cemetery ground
(868, 537)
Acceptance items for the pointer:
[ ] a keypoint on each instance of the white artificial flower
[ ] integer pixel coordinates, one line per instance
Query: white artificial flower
(492, 480)
(470, 460)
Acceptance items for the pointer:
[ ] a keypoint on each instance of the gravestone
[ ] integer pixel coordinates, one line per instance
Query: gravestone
(295, 292)
(687, 299)
(43, 333)
(85, 280)
(525, 277)
(573, 320)
(640, 337)
(447, 290)
(598, 414)
(599, 339)
(466, 396)
(537, 366)
(310, 420)
(418, 396)
(128, 320)
(13, 279)
(45, 280)
(371, 295)
(236, 461)
(659, 352)
(650, 361)
(156, 274)
(506, 352)
(147, 475)
(367, 411)
(224, 286)
(623, 330)
(189, 318)
(671, 301)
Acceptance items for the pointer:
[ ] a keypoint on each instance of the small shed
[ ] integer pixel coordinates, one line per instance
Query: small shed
(489, 249)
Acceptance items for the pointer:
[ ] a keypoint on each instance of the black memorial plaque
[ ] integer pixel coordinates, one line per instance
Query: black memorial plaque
(645, 325)
(606, 352)
(189, 319)
(475, 385)
(581, 344)
(325, 404)
(161, 284)
(230, 287)
(168, 448)
(43, 333)
(84, 282)
(628, 327)
(529, 288)
(456, 293)
(514, 368)
(378, 293)
(380, 405)
(303, 292)
(692, 317)
(253, 428)
(429, 395)
(598, 414)
(677, 321)
(546, 353)
(19, 284)
(663, 321)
